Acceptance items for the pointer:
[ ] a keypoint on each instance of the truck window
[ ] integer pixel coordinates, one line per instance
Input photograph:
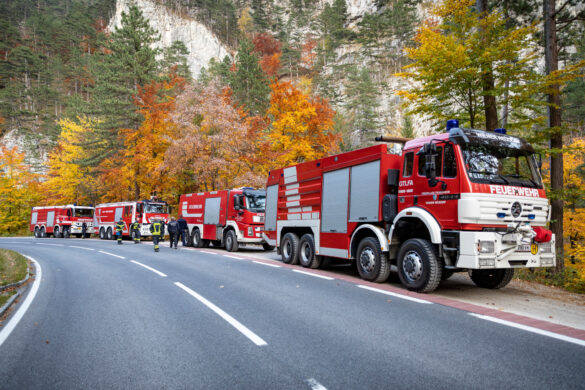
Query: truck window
(450, 166)
(438, 162)
(408, 163)
(79, 212)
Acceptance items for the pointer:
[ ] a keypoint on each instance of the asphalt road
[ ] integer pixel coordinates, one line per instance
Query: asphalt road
(201, 319)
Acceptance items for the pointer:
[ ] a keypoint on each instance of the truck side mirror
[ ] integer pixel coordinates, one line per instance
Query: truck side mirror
(236, 202)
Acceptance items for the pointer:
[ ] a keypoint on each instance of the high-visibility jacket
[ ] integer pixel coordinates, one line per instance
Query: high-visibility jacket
(135, 226)
(120, 226)
(157, 228)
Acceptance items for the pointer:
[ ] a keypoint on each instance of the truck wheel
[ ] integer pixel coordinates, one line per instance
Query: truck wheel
(372, 263)
(43, 232)
(231, 241)
(307, 250)
(56, 232)
(290, 248)
(491, 278)
(37, 233)
(102, 234)
(196, 239)
(66, 233)
(267, 247)
(109, 235)
(419, 268)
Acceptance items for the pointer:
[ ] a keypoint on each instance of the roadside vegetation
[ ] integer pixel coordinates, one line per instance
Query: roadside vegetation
(12, 267)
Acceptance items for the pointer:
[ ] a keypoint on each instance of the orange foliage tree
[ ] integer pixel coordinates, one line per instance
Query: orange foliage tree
(19, 191)
(301, 128)
(212, 146)
(269, 50)
(135, 172)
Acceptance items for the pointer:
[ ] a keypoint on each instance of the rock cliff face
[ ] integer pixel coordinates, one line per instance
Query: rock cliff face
(201, 42)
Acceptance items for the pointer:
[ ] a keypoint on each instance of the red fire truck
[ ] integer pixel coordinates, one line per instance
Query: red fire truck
(465, 200)
(61, 221)
(143, 211)
(230, 218)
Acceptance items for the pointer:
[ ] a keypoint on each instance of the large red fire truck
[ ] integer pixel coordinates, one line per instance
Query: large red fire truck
(230, 218)
(143, 211)
(61, 221)
(465, 200)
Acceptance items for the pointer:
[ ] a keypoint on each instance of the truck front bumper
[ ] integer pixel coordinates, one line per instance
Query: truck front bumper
(485, 250)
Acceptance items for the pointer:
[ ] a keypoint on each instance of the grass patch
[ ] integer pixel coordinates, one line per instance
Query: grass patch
(4, 297)
(12, 267)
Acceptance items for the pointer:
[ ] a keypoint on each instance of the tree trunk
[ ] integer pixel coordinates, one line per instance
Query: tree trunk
(487, 81)
(556, 138)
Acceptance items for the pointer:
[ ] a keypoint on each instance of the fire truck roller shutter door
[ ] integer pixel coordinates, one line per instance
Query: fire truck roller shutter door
(334, 202)
(271, 208)
(50, 218)
(364, 193)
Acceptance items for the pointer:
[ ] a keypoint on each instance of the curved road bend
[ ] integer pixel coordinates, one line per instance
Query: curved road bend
(108, 316)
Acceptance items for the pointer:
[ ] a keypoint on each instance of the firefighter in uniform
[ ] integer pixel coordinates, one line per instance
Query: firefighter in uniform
(158, 230)
(136, 231)
(119, 229)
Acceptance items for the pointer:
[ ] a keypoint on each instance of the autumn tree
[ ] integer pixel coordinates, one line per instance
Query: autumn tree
(301, 129)
(69, 181)
(211, 145)
(19, 191)
(453, 50)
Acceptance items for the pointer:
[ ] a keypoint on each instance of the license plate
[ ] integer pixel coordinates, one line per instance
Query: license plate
(523, 248)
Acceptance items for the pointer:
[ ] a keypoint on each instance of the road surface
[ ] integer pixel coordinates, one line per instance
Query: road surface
(118, 317)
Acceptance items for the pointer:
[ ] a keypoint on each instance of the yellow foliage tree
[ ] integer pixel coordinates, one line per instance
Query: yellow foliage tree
(68, 181)
(19, 191)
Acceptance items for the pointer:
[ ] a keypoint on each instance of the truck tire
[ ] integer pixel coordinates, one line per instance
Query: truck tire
(37, 233)
(372, 263)
(102, 234)
(66, 233)
(307, 250)
(290, 248)
(43, 232)
(56, 232)
(197, 241)
(418, 265)
(491, 278)
(109, 235)
(267, 247)
(231, 241)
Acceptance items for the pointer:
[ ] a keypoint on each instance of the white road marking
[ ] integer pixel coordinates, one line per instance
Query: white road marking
(81, 247)
(314, 385)
(149, 268)
(312, 274)
(8, 328)
(531, 329)
(269, 265)
(234, 257)
(111, 254)
(208, 252)
(42, 243)
(394, 294)
(232, 321)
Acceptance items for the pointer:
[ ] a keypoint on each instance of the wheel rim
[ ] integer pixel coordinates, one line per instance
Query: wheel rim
(368, 260)
(196, 239)
(305, 253)
(412, 266)
(287, 249)
(56, 232)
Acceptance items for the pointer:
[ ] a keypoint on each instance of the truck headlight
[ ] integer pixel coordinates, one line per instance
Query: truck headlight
(545, 247)
(484, 247)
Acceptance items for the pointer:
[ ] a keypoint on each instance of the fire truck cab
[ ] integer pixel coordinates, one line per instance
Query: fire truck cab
(61, 221)
(464, 200)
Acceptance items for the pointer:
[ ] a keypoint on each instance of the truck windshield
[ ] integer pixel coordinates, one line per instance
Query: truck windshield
(155, 208)
(501, 165)
(83, 213)
(256, 203)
